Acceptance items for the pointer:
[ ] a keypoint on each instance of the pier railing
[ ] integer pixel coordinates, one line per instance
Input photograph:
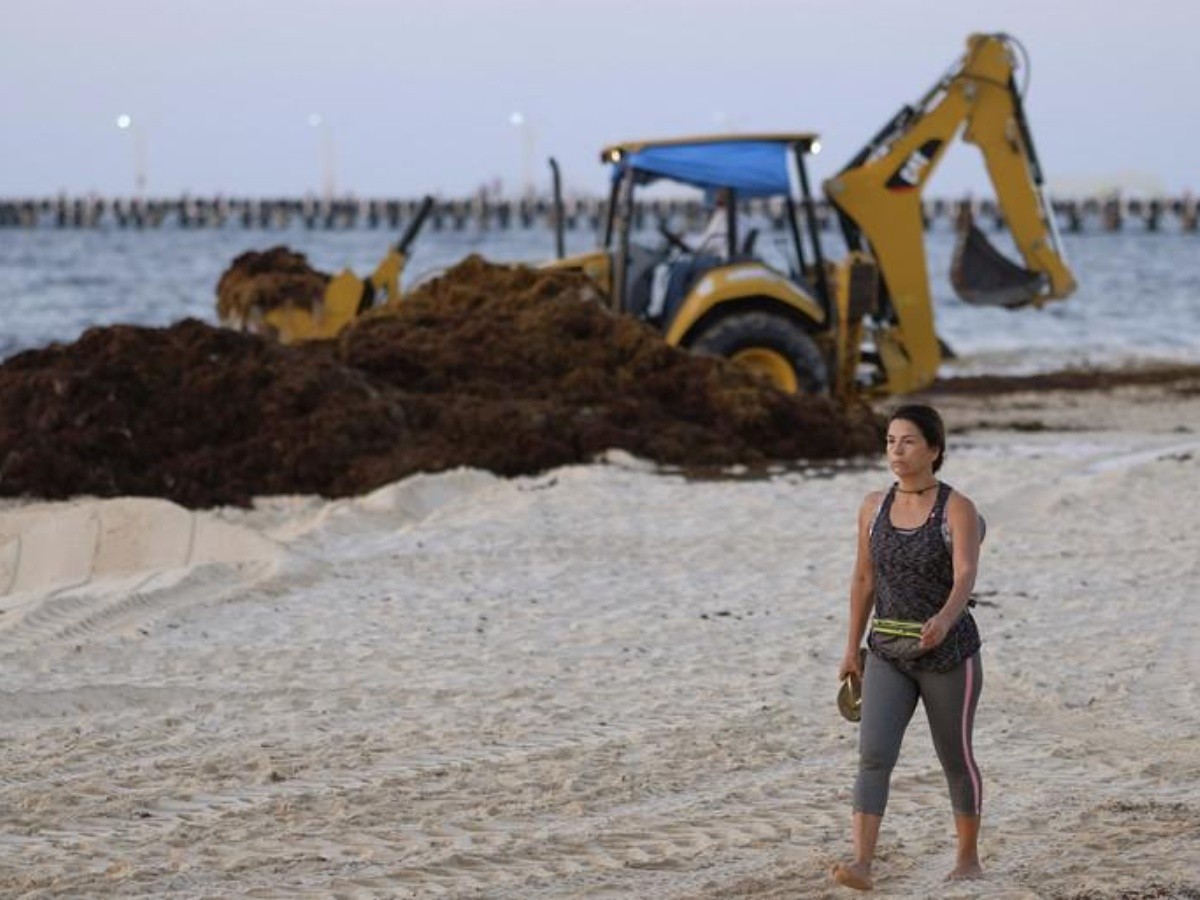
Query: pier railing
(1081, 215)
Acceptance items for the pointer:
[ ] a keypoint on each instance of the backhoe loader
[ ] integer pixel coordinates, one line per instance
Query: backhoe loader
(346, 296)
(862, 325)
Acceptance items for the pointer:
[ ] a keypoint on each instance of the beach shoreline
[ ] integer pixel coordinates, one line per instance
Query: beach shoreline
(604, 680)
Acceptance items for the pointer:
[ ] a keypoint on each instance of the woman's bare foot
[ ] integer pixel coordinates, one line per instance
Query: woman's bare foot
(966, 871)
(853, 875)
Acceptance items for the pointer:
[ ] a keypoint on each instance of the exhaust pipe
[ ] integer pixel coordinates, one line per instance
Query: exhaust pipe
(556, 180)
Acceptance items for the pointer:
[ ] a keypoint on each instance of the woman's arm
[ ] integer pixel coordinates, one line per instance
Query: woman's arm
(862, 586)
(964, 534)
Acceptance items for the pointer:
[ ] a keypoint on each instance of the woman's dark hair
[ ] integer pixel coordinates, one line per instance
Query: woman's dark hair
(929, 423)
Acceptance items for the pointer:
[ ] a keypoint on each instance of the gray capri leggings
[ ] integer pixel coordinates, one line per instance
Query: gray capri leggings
(889, 698)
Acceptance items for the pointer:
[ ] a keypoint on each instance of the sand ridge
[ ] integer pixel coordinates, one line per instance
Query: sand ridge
(69, 571)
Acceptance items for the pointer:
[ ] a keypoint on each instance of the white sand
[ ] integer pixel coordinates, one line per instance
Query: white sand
(604, 681)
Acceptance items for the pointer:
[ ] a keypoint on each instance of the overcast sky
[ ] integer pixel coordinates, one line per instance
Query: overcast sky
(418, 95)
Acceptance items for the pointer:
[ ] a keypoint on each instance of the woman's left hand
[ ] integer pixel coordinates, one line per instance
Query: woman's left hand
(934, 631)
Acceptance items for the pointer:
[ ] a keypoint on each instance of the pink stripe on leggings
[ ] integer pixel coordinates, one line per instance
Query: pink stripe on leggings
(968, 756)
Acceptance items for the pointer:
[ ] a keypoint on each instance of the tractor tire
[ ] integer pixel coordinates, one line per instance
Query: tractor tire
(772, 345)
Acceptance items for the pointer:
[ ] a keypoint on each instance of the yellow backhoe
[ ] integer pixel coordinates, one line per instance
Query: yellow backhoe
(345, 296)
(864, 324)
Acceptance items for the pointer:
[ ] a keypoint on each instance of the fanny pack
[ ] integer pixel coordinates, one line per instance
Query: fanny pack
(898, 638)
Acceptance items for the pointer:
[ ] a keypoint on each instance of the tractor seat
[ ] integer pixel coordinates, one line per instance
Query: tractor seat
(681, 277)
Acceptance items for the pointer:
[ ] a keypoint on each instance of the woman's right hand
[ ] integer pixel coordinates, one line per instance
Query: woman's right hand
(851, 664)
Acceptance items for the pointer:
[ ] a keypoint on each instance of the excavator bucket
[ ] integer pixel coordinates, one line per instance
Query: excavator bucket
(983, 276)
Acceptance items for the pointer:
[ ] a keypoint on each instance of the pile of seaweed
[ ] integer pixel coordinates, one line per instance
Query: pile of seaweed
(504, 368)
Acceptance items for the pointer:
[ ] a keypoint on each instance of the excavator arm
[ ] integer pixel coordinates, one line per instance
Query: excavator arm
(878, 199)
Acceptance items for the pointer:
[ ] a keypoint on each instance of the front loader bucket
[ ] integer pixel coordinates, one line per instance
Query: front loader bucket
(983, 276)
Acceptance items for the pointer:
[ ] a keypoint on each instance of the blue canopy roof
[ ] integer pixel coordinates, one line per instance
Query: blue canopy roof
(752, 168)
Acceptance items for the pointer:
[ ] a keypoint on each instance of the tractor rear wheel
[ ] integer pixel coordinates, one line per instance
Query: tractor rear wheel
(770, 344)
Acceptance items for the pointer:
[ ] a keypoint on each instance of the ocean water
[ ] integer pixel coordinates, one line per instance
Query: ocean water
(1138, 298)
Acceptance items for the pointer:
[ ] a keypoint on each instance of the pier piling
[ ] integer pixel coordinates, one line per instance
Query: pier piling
(1076, 215)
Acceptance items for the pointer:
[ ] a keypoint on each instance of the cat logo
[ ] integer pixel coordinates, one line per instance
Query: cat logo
(908, 176)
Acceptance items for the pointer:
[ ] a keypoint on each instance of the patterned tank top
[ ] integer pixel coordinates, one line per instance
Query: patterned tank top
(914, 573)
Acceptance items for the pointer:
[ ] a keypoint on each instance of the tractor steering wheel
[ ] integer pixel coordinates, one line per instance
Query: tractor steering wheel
(673, 239)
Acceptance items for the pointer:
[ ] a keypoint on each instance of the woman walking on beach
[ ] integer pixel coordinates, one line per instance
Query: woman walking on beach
(918, 550)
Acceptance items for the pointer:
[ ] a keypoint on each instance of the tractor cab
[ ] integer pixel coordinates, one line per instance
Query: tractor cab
(726, 173)
(752, 285)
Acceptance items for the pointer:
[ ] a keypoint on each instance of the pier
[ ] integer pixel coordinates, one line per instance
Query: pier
(1087, 215)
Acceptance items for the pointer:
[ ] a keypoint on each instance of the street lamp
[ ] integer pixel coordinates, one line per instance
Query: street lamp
(126, 122)
(525, 131)
(317, 121)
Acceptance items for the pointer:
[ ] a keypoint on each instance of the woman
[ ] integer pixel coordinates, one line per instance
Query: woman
(918, 550)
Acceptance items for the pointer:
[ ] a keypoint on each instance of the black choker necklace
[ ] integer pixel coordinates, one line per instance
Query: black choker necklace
(900, 490)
